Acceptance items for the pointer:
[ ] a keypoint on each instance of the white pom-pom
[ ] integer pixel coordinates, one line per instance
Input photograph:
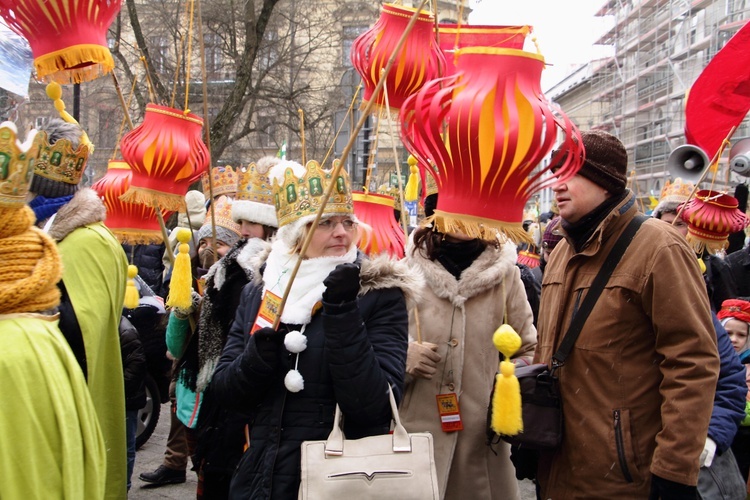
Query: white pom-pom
(295, 342)
(294, 381)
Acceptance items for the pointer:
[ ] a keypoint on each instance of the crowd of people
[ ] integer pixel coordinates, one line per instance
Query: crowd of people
(654, 392)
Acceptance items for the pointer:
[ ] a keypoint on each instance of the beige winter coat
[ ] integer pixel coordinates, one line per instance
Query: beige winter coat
(461, 316)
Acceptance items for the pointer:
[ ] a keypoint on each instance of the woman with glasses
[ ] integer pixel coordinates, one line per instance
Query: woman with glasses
(341, 340)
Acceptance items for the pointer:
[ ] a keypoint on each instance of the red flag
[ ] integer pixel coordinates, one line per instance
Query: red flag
(720, 97)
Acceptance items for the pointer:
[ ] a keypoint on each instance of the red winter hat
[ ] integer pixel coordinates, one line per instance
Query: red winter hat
(735, 308)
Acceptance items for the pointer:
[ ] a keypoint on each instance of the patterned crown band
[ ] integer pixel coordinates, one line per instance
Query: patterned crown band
(16, 165)
(60, 162)
(224, 181)
(252, 185)
(300, 197)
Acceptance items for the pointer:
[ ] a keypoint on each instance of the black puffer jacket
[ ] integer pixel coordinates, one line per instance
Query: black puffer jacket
(362, 350)
(150, 266)
(133, 366)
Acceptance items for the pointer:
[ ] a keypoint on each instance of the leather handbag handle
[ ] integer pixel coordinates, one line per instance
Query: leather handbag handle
(401, 441)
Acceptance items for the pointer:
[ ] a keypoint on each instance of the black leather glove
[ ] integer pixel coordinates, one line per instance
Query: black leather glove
(267, 342)
(669, 490)
(342, 284)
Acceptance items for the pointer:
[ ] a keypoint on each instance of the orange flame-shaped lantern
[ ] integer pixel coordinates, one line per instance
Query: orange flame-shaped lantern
(384, 235)
(68, 38)
(130, 222)
(453, 37)
(486, 131)
(166, 154)
(711, 217)
(417, 62)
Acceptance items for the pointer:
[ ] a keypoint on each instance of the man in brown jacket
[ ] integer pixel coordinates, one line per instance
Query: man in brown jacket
(638, 387)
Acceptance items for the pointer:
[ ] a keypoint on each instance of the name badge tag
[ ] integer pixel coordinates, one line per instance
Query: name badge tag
(450, 415)
(268, 311)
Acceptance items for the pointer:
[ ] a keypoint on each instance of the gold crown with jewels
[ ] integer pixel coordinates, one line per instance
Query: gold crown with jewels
(254, 185)
(300, 195)
(60, 162)
(224, 181)
(16, 164)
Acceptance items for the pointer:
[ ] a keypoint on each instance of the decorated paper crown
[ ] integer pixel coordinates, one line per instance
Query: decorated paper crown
(711, 217)
(224, 181)
(384, 234)
(67, 37)
(300, 193)
(222, 209)
(131, 223)
(254, 199)
(16, 164)
(676, 192)
(60, 162)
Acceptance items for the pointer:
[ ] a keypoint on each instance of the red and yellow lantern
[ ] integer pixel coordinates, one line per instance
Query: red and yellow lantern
(418, 61)
(484, 133)
(453, 37)
(166, 154)
(711, 217)
(130, 222)
(68, 38)
(383, 235)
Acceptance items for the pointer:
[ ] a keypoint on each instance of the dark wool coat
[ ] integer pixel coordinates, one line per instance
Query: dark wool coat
(353, 352)
(739, 266)
(133, 366)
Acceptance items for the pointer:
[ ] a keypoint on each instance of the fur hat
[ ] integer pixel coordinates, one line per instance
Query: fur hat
(606, 161)
(52, 177)
(297, 202)
(227, 230)
(254, 199)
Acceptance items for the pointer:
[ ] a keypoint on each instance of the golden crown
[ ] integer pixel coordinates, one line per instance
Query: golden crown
(224, 181)
(60, 162)
(222, 208)
(677, 191)
(16, 164)
(299, 197)
(254, 185)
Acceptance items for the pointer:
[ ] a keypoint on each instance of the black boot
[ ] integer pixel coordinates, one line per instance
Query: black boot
(163, 475)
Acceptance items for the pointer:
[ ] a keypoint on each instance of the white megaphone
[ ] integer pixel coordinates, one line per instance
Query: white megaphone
(739, 158)
(687, 162)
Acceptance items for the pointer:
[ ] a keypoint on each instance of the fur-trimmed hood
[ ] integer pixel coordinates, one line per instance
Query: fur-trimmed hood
(382, 272)
(489, 269)
(85, 208)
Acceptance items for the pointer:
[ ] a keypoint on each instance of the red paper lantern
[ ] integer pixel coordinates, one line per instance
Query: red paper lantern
(132, 223)
(484, 133)
(528, 258)
(453, 37)
(166, 154)
(68, 38)
(384, 234)
(711, 217)
(418, 61)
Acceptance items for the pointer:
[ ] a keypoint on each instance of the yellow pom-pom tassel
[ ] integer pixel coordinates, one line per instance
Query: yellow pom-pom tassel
(131, 292)
(411, 191)
(180, 288)
(506, 397)
(702, 265)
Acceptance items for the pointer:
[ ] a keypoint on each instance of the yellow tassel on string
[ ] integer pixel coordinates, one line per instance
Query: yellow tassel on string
(506, 399)
(411, 191)
(131, 292)
(180, 287)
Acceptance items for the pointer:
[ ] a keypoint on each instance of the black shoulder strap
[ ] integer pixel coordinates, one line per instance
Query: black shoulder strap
(601, 279)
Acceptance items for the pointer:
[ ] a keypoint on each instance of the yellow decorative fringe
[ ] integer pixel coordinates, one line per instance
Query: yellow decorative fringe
(138, 236)
(145, 196)
(411, 191)
(506, 399)
(479, 227)
(76, 64)
(708, 244)
(180, 287)
(131, 292)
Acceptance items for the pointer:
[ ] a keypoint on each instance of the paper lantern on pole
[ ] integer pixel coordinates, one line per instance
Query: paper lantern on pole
(417, 62)
(68, 38)
(166, 154)
(384, 235)
(711, 217)
(131, 223)
(453, 37)
(484, 134)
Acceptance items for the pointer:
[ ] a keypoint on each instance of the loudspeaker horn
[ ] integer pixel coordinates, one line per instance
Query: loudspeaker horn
(687, 162)
(739, 158)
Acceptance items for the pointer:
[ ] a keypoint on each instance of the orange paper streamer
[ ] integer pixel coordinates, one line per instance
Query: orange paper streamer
(384, 234)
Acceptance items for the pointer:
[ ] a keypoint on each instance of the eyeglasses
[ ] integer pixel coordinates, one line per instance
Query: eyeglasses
(328, 225)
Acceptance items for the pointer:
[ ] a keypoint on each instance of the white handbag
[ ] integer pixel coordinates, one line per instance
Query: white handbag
(398, 465)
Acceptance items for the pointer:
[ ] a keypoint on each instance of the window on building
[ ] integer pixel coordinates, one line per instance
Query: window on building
(348, 35)
(159, 51)
(266, 132)
(214, 55)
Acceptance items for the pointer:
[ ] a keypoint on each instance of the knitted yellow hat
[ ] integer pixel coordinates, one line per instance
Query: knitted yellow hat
(30, 265)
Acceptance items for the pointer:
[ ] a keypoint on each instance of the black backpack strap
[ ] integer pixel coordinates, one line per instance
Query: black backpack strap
(601, 279)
